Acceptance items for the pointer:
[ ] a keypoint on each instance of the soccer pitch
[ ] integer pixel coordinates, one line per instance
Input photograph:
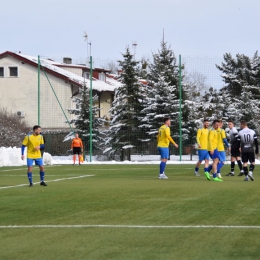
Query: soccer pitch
(126, 212)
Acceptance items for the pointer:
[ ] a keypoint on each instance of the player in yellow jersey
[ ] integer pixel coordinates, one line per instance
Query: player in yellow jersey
(202, 141)
(34, 142)
(212, 149)
(163, 141)
(221, 149)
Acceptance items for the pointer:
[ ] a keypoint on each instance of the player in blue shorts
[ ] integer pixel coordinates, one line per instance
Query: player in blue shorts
(222, 139)
(163, 141)
(34, 142)
(213, 151)
(202, 141)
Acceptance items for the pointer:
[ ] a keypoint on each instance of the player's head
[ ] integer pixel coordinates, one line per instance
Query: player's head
(167, 121)
(215, 124)
(220, 124)
(243, 124)
(206, 123)
(37, 129)
(76, 135)
(231, 124)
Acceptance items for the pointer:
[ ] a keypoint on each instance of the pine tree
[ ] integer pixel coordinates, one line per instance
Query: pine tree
(242, 89)
(82, 119)
(162, 94)
(124, 133)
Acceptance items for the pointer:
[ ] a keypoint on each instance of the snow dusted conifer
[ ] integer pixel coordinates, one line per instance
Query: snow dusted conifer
(82, 119)
(124, 133)
(161, 92)
(242, 90)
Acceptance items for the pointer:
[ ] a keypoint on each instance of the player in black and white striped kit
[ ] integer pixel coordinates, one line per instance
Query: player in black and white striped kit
(247, 138)
(234, 150)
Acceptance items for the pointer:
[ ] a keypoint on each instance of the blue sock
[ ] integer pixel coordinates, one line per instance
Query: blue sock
(209, 168)
(220, 165)
(206, 169)
(42, 176)
(196, 169)
(214, 175)
(29, 174)
(162, 167)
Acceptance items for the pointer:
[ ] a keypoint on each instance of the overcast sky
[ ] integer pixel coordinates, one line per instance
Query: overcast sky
(55, 28)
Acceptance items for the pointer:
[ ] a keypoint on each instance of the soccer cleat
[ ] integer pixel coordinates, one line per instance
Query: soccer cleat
(219, 176)
(207, 175)
(196, 174)
(246, 178)
(250, 175)
(241, 173)
(217, 179)
(31, 184)
(43, 183)
(162, 176)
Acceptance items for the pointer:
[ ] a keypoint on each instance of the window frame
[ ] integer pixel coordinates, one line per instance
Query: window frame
(9, 70)
(2, 76)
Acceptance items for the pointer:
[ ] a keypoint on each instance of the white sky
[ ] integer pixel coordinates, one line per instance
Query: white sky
(55, 28)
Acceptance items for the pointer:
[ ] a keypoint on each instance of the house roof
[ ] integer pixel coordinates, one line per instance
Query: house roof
(54, 68)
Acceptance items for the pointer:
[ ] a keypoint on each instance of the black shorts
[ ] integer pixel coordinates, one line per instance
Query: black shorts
(248, 157)
(76, 150)
(235, 152)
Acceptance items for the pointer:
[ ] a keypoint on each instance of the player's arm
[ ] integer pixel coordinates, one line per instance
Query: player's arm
(72, 143)
(224, 138)
(238, 137)
(81, 145)
(167, 134)
(42, 143)
(256, 144)
(211, 135)
(198, 137)
(24, 144)
(157, 137)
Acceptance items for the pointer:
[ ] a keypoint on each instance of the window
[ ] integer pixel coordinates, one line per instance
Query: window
(86, 75)
(13, 71)
(2, 72)
(101, 76)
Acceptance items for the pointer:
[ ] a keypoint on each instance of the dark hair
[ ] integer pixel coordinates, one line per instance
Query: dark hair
(243, 122)
(205, 120)
(166, 119)
(36, 127)
(215, 121)
(231, 121)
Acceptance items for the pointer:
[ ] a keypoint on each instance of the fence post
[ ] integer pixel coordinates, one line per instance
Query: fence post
(39, 71)
(90, 112)
(180, 111)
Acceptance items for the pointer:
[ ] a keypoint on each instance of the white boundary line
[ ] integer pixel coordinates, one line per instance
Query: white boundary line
(130, 226)
(21, 185)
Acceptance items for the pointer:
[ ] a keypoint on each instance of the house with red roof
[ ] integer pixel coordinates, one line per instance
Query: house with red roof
(45, 92)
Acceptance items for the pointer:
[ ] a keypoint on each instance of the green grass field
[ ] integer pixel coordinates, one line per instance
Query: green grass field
(126, 212)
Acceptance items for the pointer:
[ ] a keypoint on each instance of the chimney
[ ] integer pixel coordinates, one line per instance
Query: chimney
(67, 60)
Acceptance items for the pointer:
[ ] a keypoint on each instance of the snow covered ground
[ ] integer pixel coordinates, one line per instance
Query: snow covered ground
(12, 157)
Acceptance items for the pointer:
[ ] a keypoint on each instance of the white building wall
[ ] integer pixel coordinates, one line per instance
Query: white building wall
(21, 94)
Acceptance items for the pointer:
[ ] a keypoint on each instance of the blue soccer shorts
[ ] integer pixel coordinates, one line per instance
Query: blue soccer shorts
(164, 152)
(222, 156)
(203, 155)
(38, 161)
(215, 155)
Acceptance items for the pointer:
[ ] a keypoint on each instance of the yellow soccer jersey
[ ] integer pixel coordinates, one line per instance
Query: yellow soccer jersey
(221, 134)
(31, 141)
(164, 137)
(212, 140)
(202, 138)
